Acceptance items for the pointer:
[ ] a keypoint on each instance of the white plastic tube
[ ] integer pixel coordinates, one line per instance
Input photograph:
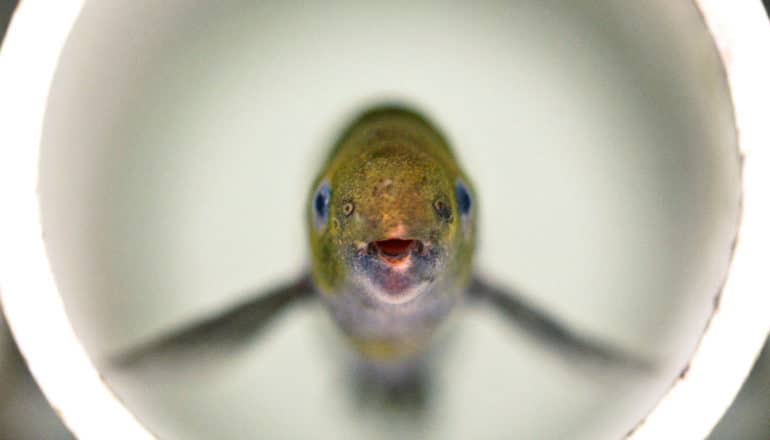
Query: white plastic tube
(74, 387)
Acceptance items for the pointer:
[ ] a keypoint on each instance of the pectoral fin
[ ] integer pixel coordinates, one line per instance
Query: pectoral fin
(218, 334)
(547, 329)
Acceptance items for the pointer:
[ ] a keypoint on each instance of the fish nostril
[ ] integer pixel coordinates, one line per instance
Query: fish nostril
(371, 249)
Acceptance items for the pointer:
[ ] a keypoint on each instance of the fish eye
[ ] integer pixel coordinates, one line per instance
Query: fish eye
(321, 201)
(463, 197)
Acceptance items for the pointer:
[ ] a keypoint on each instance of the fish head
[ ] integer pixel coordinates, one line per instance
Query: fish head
(393, 220)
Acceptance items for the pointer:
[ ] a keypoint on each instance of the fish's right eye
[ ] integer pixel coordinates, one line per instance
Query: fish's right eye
(321, 201)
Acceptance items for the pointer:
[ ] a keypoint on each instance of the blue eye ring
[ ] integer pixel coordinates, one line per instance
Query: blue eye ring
(320, 205)
(463, 199)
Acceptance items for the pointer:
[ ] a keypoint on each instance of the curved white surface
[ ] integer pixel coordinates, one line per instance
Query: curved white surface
(740, 323)
(70, 381)
(35, 312)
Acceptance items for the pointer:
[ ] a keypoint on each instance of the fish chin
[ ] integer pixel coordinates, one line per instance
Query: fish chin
(400, 280)
(394, 288)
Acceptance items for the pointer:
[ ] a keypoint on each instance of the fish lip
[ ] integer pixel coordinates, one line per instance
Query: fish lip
(401, 297)
(408, 290)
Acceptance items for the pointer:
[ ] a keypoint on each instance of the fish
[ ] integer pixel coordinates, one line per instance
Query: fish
(392, 228)
(392, 234)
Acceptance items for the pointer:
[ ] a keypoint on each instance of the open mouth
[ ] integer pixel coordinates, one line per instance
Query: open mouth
(395, 250)
(395, 280)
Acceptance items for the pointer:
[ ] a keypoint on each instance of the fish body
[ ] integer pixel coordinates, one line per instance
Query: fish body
(392, 227)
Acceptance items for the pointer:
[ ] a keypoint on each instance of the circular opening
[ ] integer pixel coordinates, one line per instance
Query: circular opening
(174, 174)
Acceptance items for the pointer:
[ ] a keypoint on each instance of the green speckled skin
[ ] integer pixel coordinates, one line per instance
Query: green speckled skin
(393, 166)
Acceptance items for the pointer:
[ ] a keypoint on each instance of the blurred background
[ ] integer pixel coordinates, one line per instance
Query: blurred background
(24, 413)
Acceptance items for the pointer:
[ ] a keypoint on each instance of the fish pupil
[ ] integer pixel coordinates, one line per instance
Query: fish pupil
(463, 199)
(321, 205)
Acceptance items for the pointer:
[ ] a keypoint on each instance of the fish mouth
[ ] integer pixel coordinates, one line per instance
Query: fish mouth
(396, 270)
(396, 252)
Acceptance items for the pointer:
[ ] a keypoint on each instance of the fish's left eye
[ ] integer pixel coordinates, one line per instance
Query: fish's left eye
(321, 201)
(463, 197)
